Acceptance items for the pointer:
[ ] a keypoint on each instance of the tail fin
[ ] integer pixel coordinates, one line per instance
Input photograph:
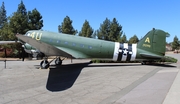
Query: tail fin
(154, 41)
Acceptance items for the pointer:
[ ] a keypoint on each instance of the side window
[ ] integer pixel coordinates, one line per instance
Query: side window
(65, 42)
(58, 41)
(82, 45)
(90, 47)
(73, 44)
(50, 40)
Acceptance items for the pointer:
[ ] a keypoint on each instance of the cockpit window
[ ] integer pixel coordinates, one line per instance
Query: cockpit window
(28, 34)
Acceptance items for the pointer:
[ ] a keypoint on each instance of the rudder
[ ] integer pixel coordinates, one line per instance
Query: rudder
(154, 41)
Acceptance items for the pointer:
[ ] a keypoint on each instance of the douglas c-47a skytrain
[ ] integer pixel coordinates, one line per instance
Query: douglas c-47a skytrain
(151, 47)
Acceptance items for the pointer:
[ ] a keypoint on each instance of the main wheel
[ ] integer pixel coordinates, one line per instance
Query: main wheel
(143, 63)
(58, 61)
(44, 64)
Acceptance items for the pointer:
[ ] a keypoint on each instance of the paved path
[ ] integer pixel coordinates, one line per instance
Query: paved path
(84, 83)
(174, 92)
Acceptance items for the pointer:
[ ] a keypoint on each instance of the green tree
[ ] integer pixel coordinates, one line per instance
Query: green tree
(35, 20)
(175, 43)
(123, 39)
(66, 27)
(133, 39)
(19, 20)
(3, 17)
(104, 30)
(6, 33)
(3, 22)
(110, 31)
(115, 30)
(86, 30)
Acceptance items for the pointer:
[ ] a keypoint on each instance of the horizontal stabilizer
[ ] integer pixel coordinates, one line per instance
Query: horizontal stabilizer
(169, 59)
(151, 56)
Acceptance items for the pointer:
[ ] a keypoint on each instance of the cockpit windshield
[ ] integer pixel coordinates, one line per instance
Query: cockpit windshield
(28, 34)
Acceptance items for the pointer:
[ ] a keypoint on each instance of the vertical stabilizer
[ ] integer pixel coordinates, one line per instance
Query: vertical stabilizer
(154, 41)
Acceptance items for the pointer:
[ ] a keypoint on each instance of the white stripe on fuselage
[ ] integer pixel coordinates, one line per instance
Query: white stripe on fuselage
(134, 52)
(117, 50)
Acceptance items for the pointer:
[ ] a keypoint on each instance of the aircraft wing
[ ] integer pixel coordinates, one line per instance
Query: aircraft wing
(47, 49)
(74, 53)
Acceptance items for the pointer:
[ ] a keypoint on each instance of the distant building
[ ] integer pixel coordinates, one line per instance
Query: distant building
(9, 51)
(168, 47)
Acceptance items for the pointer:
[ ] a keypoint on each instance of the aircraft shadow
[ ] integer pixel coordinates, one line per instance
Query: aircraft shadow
(63, 77)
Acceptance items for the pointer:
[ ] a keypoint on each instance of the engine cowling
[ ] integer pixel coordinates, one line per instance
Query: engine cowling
(33, 51)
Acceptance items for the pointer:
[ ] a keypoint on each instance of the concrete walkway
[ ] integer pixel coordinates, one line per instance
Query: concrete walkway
(174, 92)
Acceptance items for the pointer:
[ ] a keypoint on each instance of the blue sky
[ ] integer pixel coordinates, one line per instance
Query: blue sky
(136, 16)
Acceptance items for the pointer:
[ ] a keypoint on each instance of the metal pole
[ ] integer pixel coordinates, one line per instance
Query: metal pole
(5, 63)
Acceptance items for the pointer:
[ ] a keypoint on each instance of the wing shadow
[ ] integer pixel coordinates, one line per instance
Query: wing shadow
(63, 77)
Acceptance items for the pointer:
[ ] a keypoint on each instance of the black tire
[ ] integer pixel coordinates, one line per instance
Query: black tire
(44, 64)
(58, 61)
(143, 63)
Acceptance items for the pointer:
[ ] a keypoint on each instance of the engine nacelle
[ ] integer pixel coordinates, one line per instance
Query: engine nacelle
(33, 51)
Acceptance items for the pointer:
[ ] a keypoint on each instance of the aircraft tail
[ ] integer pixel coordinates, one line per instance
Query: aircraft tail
(154, 41)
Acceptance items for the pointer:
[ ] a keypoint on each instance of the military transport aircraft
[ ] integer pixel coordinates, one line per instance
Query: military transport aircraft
(151, 47)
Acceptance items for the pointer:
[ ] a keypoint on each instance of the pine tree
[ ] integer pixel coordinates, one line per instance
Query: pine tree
(5, 31)
(110, 31)
(19, 20)
(66, 27)
(115, 30)
(3, 22)
(35, 20)
(123, 39)
(86, 30)
(3, 17)
(175, 43)
(104, 30)
(133, 39)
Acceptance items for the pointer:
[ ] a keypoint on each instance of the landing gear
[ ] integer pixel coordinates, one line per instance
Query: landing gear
(147, 62)
(58, 61)
(143, 63)
(45, 63)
